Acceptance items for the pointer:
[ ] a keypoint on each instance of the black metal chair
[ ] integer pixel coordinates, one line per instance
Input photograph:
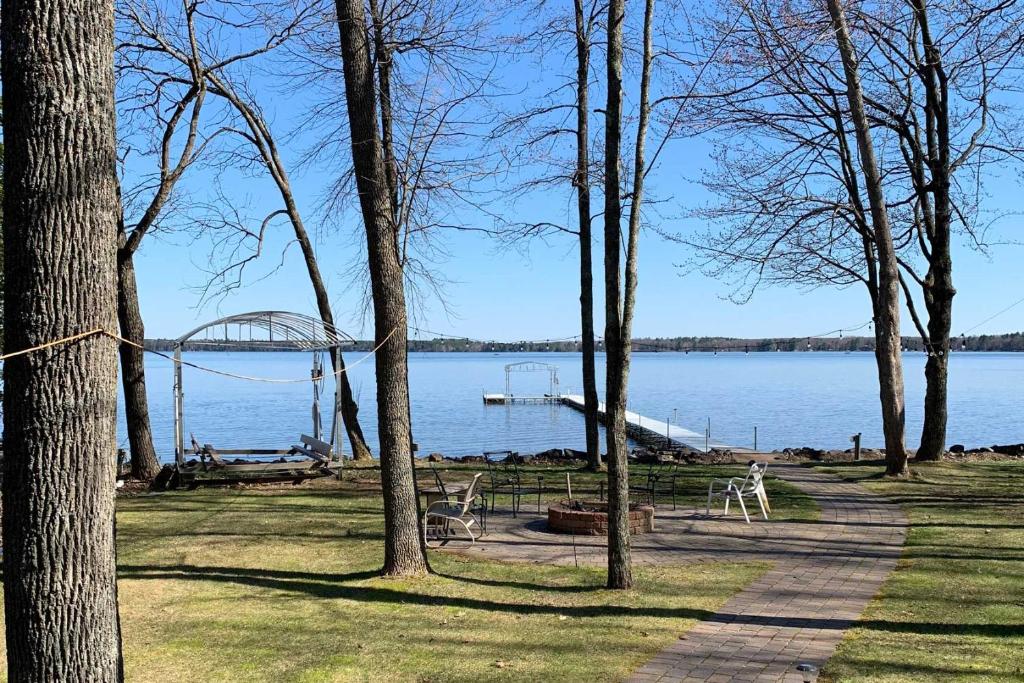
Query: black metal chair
(660, 479)
(503, 468)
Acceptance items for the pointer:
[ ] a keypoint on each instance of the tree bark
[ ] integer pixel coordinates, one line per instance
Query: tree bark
(60, 235)
(888, 346)
(144, 462)
(403, 552)
(620, 571)
(938, 283)
(582, 183)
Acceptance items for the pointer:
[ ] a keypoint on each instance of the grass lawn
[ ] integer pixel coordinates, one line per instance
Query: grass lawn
(954, 609)
(279, 584)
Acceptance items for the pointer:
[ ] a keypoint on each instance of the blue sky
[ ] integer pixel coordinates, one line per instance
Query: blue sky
(502, 294)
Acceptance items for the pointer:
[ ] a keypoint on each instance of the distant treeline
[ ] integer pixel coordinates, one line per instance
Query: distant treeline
(1013, 341)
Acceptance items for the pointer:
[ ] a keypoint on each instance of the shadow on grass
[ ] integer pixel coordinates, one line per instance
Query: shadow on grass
(521, 585)
(338, 586)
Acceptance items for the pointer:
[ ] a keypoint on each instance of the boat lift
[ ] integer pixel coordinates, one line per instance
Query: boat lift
(315, 455)
(508, 398)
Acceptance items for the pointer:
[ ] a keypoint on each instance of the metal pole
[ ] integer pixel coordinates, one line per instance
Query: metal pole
(339, 444)
(179, 418)
(755, 437)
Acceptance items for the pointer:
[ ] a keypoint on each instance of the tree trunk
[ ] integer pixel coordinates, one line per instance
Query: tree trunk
(403, 552)
(888, 346)
(620, 571)
(60, 403)
(938, 297)
(349, 407)
(582, 183)
(144, 463)
(938, 284)
(933, 435)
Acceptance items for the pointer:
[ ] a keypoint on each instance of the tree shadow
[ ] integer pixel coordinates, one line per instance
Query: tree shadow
(339, 586)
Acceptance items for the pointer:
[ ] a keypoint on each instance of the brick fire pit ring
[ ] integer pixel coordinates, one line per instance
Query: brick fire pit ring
(591, 518)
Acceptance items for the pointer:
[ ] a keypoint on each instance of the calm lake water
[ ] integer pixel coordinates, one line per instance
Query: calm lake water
(794, 399)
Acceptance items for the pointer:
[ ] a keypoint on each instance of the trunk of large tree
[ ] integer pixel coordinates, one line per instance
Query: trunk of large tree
(938, 285)
(620, 570)
(60, 403)
(888, 339)
(144, 463)
(889, 357)
(938, 297)
(933, 434)
(582, 182)
(403, 551)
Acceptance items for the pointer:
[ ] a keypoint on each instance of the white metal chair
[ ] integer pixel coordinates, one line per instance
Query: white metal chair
(751, 486)
(445, 519)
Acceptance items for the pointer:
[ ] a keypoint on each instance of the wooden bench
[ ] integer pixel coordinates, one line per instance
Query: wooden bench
(311, 447)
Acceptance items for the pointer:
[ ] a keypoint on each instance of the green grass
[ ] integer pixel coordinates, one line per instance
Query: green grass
(280, 584)
(954, 609)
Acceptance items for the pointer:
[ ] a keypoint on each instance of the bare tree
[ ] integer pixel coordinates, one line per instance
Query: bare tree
(937, 83)
(793, 208)
(533, 137)
(172, 165)
(620, 299)
(433, 62)
(60, 231)
(404, 553)
(585, 20)
(194, 57)
(792, 182)
(888, 350)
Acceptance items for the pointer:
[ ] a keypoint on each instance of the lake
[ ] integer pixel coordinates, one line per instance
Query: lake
(794, 399)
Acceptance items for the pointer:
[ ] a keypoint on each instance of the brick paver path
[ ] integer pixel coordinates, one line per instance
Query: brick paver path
(824, 574)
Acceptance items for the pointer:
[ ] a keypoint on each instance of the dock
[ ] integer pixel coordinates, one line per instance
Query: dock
(658, 428)
(512, 399)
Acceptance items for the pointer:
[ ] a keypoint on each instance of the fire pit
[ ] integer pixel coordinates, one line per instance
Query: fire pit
(587, 517)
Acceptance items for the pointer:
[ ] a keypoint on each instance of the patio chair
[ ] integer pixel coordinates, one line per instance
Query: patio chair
(505, 476)
(750, 486)
(446, 520)
(479, 506)
(659, 480)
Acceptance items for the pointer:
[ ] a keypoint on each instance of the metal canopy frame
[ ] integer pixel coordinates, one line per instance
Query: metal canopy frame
(532, 366)
(265, 330)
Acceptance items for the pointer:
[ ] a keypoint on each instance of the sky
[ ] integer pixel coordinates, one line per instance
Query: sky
(497, 294)
(531, 292)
